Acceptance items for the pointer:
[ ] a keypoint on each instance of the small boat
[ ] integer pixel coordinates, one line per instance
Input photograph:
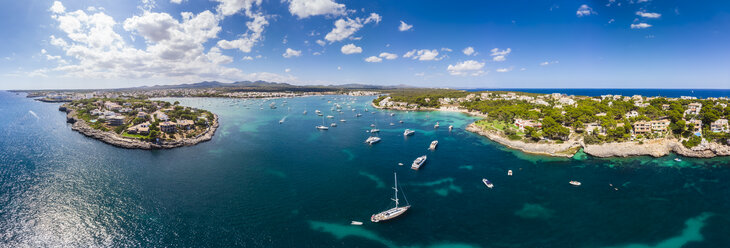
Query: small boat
(356, 223)
(678, 159)
(418, 162)
(317, 111)
(366, 110)
(322, 127)
(392, 124)
(281, 121)
(451, 127)
(509, 172)
(393, 212)
(333, 124)
(372, 140)
(433, 145)
(488, 183)
(358, 115)
(305, 112)
(574, 183)
(400, 164)
(401, 121)
(374, 130)
(330, 117)
(372, 125)
(342, 120)
(392, 114)
(408, 132)
(437, 125)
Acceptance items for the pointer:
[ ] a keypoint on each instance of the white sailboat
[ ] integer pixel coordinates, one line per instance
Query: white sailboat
(393, 212)
(322, 127)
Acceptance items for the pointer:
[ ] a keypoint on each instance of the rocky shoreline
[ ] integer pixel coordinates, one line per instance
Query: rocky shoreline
(115, 139)
(654, 148)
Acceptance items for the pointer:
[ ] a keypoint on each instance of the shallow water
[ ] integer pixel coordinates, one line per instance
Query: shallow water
(261, 183)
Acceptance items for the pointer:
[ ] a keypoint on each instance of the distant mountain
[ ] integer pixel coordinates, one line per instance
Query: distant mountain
(264, 84)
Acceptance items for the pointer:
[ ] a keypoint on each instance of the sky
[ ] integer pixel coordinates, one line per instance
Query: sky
(79, 44)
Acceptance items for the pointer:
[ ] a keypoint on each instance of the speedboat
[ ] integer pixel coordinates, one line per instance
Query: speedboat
(342, 120)
(574, 183)
(437, 125)
(433, 145)
(408, 132)
(358, 115)
(488, 183)
(372, 125)
(330, 117)
(509, 172)
(451, 127)
(322, 127)
(356, 223)
(418, 162)
(678, 159)
(333, 124)
(374, 130)
(372, 140)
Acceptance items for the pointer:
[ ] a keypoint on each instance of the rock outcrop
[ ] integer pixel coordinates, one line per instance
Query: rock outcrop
(566, 149)
(115, 139)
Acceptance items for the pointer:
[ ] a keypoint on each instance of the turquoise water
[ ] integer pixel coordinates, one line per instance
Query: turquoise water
(259, 183)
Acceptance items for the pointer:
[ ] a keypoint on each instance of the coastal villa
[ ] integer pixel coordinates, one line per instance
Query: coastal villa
(631, 114)
(720, 125)
(142, 128)
(596, 128)
(661, 126)
(601, 114)
(116, 120)
(567, 101)
(125, 110)
(520, 123)
(112, 106)
(696, 125)
(641, 127)
(168, 127)
(141, 114)
(162, 116)
(185, 124)
(693, 109)
(665, 106)
(96, 112)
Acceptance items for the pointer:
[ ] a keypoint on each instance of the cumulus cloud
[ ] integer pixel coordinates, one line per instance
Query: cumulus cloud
(307, 8)
(292, 53)
(351, 49)
(466, 68)
(230, 7)
(176, 1)
(173, 48)
(584, 10)
(388, 56)
(57, 7)
(640, 25)
(404, 26)
(503, 69)
(500, 55)
(246, 41)
(320, 42)
(546, 63)
(344, 28)
(373, 59)
(423, 54)
(287, 70)
(468, 51)
(648, 14)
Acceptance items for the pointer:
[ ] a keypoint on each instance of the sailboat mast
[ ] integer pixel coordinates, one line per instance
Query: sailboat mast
(395, 176)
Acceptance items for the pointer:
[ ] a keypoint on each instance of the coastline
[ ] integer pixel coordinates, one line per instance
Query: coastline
(654, 148)
(117, 140)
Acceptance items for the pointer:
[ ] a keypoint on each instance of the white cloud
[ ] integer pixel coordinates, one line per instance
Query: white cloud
(173, 49)
(546, 63)
(292, 53)
(469, 67)
(247, 58)
(446, 49)
(320, 42)
(339, 68)
(287, 70)
(500, 55)
(230, 7)
(468, 51)
(648, 14)
(423, 54)
(504, 69)
(640, 26)
(57, 7)
(254, 34)
(176, 1)
(404, 26)
(350, 49)
(344, 28)
(584, 10)
(388, 56)
(373, 59)
(307, 8)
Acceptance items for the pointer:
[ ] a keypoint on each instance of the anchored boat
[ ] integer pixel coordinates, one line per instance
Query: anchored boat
(418, 162)
(393, 212)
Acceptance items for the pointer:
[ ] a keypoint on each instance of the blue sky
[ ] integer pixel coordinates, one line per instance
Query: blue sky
(456, 44)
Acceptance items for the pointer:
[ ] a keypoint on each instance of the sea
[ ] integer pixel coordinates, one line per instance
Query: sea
(698, 93)
(268, 178)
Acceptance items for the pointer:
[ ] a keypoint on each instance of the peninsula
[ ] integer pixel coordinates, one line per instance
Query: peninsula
(139, 123)
(560, 125)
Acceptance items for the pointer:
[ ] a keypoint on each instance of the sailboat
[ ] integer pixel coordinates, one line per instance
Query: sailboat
(322, 127)
(393, 212)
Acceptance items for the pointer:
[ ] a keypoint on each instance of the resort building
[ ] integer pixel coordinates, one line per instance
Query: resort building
(693, 108)
(631, 114)
(168, 127)
(116, 120)
(142, 128)
(660, 125)
(185, 124)
(520, 123)
(641, 127)
(720, 125)
(162, 116)
(141, 114)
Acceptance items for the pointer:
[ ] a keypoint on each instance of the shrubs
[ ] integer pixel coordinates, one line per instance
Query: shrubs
(692, 141)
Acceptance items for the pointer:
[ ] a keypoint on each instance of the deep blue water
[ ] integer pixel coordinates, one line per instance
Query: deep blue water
(263, 184)
(699, 93)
